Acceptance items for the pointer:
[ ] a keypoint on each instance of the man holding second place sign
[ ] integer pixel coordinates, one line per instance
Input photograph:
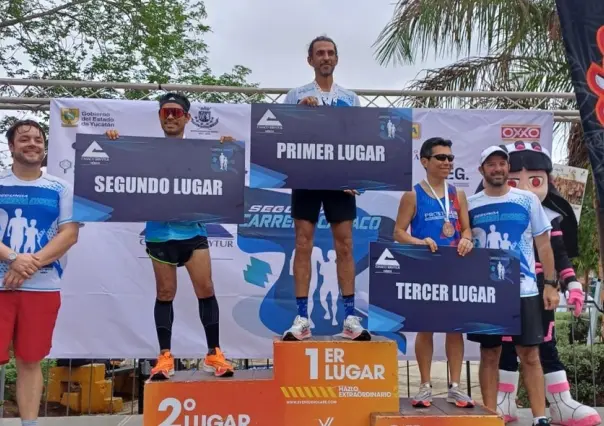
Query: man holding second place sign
(438, 215)
(497, 210)
(175, 244)
(339, 206)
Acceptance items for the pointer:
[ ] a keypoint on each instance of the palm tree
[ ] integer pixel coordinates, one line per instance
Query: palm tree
(521, 51)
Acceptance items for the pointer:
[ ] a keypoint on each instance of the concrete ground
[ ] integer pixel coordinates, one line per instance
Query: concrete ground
(408, 386)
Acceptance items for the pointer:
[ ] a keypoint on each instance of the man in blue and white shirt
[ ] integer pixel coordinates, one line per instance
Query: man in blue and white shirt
(36, 229)
(498, 210)
(339, 206)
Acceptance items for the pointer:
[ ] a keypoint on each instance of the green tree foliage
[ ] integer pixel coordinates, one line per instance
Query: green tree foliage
(130, 41)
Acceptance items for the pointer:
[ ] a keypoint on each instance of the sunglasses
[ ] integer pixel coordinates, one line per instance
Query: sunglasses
(174, 112)
(443, 157)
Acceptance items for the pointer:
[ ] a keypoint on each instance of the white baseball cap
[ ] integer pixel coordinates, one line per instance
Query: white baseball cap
(492, 150)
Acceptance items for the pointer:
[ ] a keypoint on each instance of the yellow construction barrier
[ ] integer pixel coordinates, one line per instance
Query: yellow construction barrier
(88, 392)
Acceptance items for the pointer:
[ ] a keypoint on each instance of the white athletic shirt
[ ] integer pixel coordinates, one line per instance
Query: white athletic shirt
(338, 96)
(510, 222)
(30, 215)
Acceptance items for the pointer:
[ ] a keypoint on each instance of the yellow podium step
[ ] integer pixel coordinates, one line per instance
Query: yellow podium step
(333, 381)
(441, 413)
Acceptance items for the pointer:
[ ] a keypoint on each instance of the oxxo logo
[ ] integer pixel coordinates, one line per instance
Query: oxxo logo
(177, 408)
(518, 132)
(336, 368)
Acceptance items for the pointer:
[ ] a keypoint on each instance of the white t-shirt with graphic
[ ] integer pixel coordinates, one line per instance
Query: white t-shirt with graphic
(510, 222)
(30, 215)
(338, 96)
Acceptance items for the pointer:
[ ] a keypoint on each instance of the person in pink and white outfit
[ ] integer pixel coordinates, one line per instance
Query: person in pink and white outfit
(530, 168)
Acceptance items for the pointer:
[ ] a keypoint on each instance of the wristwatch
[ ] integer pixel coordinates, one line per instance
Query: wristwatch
(12, 256)
(553, 283)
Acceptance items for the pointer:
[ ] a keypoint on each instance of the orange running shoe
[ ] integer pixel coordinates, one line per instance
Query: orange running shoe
(164, 369)
(218, 364)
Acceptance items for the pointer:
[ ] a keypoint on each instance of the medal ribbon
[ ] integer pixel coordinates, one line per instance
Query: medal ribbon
(446, 206)
(330, 97)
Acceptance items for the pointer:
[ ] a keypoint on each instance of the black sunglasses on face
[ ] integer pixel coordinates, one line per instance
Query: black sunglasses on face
(443, 157)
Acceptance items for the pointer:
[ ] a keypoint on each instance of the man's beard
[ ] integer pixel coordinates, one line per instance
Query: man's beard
(326, 73)
(20, 158)
(491, 180)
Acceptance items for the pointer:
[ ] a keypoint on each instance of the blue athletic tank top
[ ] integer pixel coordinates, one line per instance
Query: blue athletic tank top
(429, 217)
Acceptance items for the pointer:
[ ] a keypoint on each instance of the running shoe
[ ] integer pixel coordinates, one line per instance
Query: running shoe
(423, 398)
(164, 369)
(353, 329)
(217, 364)
(459, 398)
(300, 330)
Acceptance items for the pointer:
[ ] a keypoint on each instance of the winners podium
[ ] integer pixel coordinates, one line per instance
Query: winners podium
(324, 381)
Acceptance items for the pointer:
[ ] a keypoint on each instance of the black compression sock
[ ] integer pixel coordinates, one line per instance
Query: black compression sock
(164, 318)
(210, 315)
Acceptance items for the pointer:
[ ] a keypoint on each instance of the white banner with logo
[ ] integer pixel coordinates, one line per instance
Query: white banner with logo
(109, 288)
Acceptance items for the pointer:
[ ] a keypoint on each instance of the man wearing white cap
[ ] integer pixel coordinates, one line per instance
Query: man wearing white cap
(497, 210)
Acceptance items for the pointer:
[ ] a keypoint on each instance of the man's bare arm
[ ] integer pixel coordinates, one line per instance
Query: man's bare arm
(546, 256)
(58, 246)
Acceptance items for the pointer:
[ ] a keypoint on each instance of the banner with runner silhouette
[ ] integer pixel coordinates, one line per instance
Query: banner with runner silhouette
(137, 179)
(582, 25)
(252, 264)
(413, 289)
(300, 147)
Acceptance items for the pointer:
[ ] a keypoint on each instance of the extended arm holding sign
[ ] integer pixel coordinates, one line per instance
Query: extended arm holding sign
(113, 134)
(465, 244)
(406, 212)
(551, 297)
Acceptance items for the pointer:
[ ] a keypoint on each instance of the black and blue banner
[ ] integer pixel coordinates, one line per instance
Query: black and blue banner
(412, 289)
(137, 179)
(300, 147)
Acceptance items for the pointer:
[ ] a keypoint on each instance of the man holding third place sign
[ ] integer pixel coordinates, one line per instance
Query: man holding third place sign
(175, 244)
(495, 211)
(339, 206)
(438, 215)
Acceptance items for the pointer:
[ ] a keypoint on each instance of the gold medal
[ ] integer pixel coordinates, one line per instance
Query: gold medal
(448, 229)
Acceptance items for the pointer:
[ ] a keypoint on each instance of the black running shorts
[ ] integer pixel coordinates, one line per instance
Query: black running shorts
(176, 252)
(531, 313)
(339, 206)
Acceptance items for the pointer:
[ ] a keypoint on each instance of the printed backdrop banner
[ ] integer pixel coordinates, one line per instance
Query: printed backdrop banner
(301, 147)
(135, 179)
(477, 293)
(108, 286)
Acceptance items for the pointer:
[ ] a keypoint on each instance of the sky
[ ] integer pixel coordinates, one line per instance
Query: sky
(271, 38)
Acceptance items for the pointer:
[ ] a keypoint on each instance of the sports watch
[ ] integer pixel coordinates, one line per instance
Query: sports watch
(553, 283)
